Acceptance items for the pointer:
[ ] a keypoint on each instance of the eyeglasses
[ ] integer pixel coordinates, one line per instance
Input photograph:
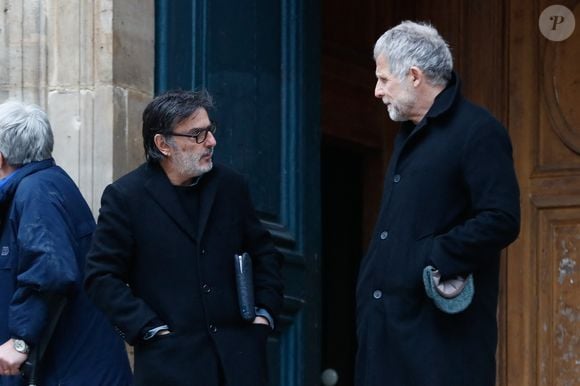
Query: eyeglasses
(200, 135)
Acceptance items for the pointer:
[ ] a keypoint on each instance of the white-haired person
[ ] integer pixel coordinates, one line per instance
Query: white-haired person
(450, 204)
(45, 231)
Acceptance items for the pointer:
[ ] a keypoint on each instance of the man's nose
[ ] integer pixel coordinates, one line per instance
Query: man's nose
(210, 140)
(379, 91)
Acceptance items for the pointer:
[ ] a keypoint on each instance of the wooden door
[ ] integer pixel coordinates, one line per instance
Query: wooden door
(533, 86)
(259, 59)
(543, 271)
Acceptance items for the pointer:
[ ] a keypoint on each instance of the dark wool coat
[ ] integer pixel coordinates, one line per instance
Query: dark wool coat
(45, 234)
(451, 200)
(146, 263)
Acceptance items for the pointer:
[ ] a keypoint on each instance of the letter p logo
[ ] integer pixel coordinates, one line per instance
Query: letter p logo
(557, 23)
(557, 20)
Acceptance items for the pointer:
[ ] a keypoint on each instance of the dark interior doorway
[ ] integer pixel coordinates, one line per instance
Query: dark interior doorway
(342, 208)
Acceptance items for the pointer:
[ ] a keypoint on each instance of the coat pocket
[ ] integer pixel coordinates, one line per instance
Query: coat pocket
(7, 277)
(5, 257)
(419, 259)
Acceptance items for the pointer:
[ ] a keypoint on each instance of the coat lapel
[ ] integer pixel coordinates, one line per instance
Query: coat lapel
(209, 185)
(159, 187)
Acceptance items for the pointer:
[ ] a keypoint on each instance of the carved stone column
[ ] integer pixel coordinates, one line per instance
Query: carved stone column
(90, 65)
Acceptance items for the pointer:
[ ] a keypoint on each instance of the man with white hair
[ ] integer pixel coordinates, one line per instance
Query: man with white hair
(450, 205)
(45, 231)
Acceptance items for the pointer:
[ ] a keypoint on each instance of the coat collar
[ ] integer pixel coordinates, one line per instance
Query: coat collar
(443, 103)
(9, 184)
(446, 98)
(160, 188)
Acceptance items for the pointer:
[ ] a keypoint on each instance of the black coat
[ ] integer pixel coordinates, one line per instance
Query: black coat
(450, 200)
(146, 263)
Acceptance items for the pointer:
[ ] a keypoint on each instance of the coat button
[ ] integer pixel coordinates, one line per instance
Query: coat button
(213, 328)
(121, 333)
(397, 178)
(377, 294)
(384, 235)
(206, 288)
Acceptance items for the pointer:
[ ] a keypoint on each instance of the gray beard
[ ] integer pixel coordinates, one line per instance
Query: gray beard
(190, 166)
(395, 114)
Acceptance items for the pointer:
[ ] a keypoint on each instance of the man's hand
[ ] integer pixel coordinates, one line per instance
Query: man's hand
(261, 320)
(10, 359)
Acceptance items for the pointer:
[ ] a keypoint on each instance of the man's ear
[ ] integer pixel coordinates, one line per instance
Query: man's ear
(162, 144)
(5, 168)
(417, 76)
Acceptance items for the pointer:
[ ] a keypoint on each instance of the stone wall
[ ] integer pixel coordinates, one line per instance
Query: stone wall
(90, 65)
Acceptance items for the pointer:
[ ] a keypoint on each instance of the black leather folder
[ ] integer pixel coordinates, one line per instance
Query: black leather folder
(245, 285)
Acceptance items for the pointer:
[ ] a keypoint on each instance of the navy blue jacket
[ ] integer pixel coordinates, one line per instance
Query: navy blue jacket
(450, 200)
(46, 228)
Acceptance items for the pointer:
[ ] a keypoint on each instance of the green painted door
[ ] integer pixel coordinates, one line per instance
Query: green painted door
(260, 61)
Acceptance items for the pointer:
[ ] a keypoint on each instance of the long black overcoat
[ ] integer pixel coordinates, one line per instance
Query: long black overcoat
(146, 263)
(450, 199)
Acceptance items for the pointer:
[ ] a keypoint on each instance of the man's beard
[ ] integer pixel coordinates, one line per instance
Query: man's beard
(190, 165)
(396, 113)
(400, 109)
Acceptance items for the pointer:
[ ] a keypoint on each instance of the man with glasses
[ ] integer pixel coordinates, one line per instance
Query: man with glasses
(161, 265)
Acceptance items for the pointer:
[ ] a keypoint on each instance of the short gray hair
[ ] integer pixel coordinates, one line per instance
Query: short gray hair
(416, 44)
(25, 133)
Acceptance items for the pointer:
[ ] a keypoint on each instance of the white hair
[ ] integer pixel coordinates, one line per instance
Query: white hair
(416, 44)
(25, 133)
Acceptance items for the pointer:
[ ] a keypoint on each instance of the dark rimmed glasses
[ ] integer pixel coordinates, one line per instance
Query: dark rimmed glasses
(199, 135)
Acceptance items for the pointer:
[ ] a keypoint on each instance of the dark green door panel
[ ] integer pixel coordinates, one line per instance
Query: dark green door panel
(260, 61)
